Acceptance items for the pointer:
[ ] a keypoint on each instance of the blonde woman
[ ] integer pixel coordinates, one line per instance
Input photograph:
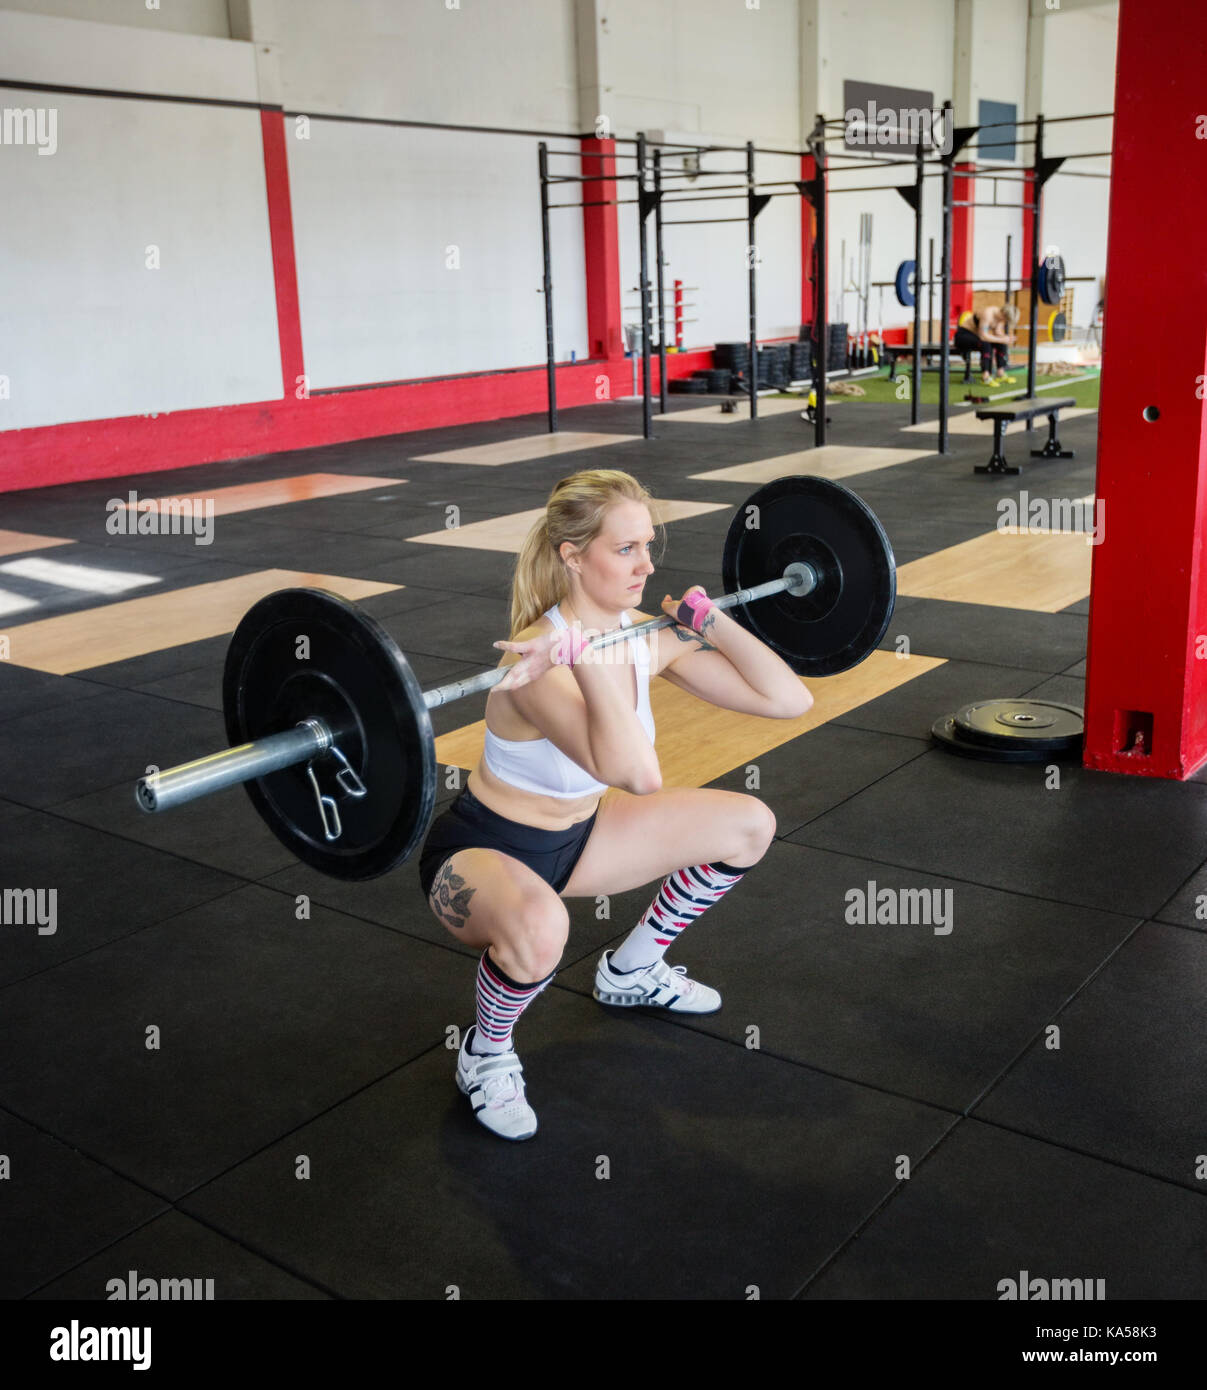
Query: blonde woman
(532, 826)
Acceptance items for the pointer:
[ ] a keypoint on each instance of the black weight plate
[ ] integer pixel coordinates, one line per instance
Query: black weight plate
(357, 681)
(1052, 279)
(947, 735)
(812, 519)
(1039, 724)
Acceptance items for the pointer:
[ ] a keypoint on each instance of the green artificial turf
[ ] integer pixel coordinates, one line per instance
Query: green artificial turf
(879, 388)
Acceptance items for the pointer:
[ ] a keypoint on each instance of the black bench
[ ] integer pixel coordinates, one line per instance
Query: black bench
(929, 352)
(1028, 408)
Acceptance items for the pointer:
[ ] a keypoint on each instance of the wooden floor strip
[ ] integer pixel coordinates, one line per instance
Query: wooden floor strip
(250, 497)
(697, 742)
(714, 415)
(830, 461)
(533, 446)
(98, 636)
(1042, 571)
(507, 533)
(17, 542)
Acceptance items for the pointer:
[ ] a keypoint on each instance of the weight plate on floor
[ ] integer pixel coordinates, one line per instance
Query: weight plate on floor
(828, 527)
(945, 732)
(1040, 724)
(303, 653)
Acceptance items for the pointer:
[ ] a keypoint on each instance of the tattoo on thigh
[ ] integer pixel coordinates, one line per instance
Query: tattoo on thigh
(450, 897)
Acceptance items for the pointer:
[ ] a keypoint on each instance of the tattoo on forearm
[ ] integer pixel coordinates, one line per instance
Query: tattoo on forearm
(450, 897)
(686, 634)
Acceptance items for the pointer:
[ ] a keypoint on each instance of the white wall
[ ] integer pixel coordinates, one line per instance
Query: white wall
(208, 17)
(419, 254)
(701, 66)
(490, 62)
(87, 331)
(1079, 77)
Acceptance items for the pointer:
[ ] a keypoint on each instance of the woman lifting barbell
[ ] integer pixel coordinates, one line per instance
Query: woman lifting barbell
(533, 826)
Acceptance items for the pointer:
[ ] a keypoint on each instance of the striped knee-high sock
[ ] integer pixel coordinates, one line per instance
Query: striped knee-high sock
(500, 1001)
(682, 898)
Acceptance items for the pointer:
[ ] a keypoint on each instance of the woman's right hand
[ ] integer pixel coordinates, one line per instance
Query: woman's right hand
(539, 655)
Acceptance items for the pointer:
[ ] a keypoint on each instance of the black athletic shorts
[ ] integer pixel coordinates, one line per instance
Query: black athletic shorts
(468, 824)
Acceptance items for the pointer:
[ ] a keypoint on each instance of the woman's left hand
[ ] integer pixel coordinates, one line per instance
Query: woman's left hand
(671, 606)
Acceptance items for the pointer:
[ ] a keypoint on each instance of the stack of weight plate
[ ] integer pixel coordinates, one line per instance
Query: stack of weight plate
(733, 356)
(717, 380)
(799, 361)
(838, 346)
(774, 365)
(1012, 731)
(687, 386)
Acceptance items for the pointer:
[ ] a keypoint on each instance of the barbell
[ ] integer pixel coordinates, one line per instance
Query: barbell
(331, 731)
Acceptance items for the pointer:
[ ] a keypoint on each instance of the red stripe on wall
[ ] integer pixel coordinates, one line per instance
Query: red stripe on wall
(153, 443)
(284, 260)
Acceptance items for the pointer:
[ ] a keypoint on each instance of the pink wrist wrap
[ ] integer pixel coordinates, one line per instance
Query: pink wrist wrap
(695, 607)
(569, 647)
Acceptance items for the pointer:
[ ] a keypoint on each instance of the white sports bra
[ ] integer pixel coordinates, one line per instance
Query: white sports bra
(538, 765)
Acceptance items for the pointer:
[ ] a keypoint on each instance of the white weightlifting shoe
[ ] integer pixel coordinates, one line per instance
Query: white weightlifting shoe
(494, 1083)
(657, 987)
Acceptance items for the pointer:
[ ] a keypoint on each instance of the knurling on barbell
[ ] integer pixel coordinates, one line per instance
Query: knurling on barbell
(336, 749)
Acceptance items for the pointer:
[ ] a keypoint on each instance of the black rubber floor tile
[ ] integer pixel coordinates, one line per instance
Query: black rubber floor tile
(1188, 906)
(1120, 844)
(202, 686)
(267, 545)
(818, 771)
(223, 830)
(60, 755)
(453, 568)
(1077, 669)
(68, 888)
(1126, 1083)
(59, 1207)
(755, 1168)
(23, 691)
(185, 1261)
(912, 708)
(403, 600)
(1061, 690)
(138, 672)
(11, 812)
(991, 1207)
(901, 1004)
(997, 636)
(265, 1019)
(451, 633)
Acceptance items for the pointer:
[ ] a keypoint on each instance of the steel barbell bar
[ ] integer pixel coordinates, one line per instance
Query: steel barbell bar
(312, 737)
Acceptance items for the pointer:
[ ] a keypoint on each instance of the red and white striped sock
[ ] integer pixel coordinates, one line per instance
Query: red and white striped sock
(500, 1001)
(681, 899)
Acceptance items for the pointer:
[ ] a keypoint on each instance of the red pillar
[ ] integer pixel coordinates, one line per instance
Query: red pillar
(601, 245)
(963, 190)
(1146, 688)
(284, 261)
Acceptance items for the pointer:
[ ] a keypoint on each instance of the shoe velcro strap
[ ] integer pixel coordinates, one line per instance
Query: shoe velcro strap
(503, 1061)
